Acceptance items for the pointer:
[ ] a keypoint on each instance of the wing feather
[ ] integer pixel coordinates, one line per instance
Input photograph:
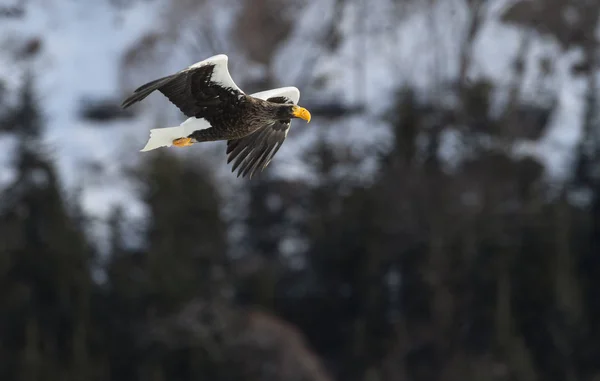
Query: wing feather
(255, 151)
(256, 158)
(246, 145)
(197, 91)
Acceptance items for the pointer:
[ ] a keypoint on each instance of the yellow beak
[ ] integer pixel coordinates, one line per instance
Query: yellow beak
(302, 113)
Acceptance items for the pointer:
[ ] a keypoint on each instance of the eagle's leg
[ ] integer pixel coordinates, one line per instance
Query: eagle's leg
(206, 135)
(182, 142)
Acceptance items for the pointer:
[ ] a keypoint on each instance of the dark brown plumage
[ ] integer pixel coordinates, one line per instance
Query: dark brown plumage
(254, 128)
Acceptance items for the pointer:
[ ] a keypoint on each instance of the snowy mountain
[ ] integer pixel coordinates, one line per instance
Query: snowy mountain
(85, 53)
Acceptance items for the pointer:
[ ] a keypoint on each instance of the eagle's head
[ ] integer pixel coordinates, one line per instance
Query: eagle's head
(290, 111)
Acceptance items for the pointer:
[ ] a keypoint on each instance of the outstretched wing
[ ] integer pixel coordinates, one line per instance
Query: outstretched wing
(256, 150)
(203, 89)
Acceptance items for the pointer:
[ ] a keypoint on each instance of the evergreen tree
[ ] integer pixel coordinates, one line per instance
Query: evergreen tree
(186, 234)
(46, 282)
(183, 260)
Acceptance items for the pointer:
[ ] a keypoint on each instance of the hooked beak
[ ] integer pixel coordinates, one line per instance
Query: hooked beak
(301, 112)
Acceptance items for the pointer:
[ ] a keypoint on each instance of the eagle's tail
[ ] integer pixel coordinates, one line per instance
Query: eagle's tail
(163, 137)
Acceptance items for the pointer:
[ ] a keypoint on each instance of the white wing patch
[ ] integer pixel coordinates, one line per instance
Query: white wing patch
(220, 73)
(290, 91)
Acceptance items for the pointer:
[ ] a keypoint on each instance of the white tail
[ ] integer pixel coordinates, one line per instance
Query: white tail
(163, 137)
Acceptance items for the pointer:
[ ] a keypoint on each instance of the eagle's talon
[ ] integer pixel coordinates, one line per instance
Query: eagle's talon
(182, 142)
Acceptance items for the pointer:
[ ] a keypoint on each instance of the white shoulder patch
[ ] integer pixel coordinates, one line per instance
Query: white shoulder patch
(221, 72)
(290, 91)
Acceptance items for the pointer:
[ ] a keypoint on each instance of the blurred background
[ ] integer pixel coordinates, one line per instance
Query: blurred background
(439, 219)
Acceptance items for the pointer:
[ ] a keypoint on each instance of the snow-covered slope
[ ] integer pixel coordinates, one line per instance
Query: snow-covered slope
(378, 54)
(83, 45)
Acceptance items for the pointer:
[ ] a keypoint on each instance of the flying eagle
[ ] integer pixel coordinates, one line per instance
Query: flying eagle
(255, 126)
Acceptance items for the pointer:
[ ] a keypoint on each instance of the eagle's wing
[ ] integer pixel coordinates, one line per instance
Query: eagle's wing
(198, 91)
(258, 149)
(290, 92)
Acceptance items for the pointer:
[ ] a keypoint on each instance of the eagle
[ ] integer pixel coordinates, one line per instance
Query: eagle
(254, 126)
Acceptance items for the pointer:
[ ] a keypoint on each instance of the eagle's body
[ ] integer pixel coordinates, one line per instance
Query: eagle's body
(254, 125)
